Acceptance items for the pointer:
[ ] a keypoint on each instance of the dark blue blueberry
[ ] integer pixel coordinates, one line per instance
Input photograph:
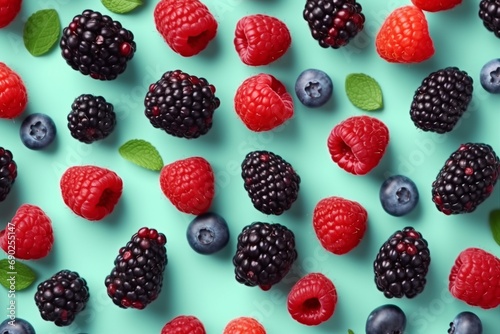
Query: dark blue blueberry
(313, 88)
(466, 323)
(16, 326)
(208, 233)
(37, 131)
(386, 319)
(398, 195)
(490, 76)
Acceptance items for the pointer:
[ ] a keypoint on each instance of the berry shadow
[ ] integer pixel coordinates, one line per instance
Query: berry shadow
(212, 51)
(385, 167)
(285, 62)
(468, 127)
(162, 305)
(299, 210)
(364, 250)
(9, 206)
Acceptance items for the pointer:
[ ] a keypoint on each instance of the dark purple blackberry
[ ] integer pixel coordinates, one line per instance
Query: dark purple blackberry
(8, 172)
(181, 104)
(402, 264)
(96, 45)
(264, 254)
(62, 297)
(91, 118)
(467, 179)
(441, 100)
(137, 278)
(333, 23)
(489, 13)
(270, 181)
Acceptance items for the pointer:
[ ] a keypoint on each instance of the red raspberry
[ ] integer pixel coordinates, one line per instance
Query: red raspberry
(184, 324)
(13, 95)
(8, 11)
(358, 143)
(404, 37)
(186, 25)
(189, 184)
(339, 223)
(31, 230)
(261, 39)
(475, 278)
(90, 191)
(312, 299)
(263, 103)
(436, 6)
(244, 325)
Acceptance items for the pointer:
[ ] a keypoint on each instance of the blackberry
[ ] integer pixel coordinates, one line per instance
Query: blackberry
(96, 45)
(489, 13)
(441, 100)
(466, 179)
(8, 172)
(270, 181)
(91, 118)
(62, 297)
(137, 277)
(333, 23)
(264, 255)
(402, 264)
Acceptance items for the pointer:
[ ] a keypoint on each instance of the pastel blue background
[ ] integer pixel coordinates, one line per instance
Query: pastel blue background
(204, 286)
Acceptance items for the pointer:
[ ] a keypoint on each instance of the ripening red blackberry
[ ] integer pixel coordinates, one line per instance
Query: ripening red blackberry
(181, 104)
(96, 45)
(489, 13)
(467, 179)
(333, 23)
(8, 172)
(402, 264)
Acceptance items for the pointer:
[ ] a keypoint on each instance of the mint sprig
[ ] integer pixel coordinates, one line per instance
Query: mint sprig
(15, 275)
(121, 6)
(141, 153)
(41, 31)
(363, 91)
(494, 220)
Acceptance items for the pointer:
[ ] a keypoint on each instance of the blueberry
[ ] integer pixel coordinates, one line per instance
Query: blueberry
(398, 195)
(490, 76)
(37, 131)
(207, 233)
(386, 319)
(313, 88)
(466, 323)
(16, 326)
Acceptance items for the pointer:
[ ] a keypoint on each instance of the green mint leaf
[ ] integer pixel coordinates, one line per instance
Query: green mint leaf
(15, 275)
(141, 153)
(41, 31)
(495, 224)
(349, 331)
(121, 6)
(363, 91)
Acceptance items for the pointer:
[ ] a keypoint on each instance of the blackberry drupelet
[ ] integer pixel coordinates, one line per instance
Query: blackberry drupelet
(489, 13)
(271, 183)
(264, 255)
(91, 118)
(441, 100)
(62, 297)
(96, 45)
(137, 278)
(181, 104)
(402, 264)
(333, 23)
(467, 179)
(8, 172)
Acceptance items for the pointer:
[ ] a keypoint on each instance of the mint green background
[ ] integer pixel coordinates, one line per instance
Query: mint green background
(204, 285)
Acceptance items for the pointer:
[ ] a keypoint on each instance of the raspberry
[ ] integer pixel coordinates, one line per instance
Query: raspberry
(13, 95)
(189, 184)
(90, 191)
(263, 103)
(475, 278)
(261, 39)
(436, 6)
(186, 25)
(340, 224)
(8, 11)
(312, 299)
(32, 230)
(358, 143)
(404, 37)
(184, 324)
(244, 325)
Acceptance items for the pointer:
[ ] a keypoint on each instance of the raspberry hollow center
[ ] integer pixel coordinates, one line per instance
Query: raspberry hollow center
(199, 41)
(106, 198)
(311, 305)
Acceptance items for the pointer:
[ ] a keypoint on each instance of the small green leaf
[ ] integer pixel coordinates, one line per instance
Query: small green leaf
(41, 31)
(363, 91)
(121, 6)
(349, 331)
(495, 224)
(15, 275)
(141, 153)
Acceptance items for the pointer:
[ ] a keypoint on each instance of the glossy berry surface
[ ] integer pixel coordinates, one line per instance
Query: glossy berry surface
(313, 88)
(13, 93)
(489, 77)
(16, 326)
(184, 324)
(466, 323)
(37, 131)
(398, 195)
(208, 233)
(9, 9)
(244, 325)
(386, 319)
